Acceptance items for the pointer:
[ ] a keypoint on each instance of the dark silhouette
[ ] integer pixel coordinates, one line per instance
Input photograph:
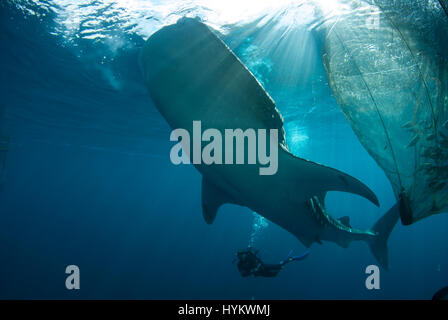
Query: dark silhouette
(442, 294)
(250, 264)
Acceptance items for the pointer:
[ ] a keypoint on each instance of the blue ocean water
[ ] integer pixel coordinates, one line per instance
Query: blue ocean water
(88, 179)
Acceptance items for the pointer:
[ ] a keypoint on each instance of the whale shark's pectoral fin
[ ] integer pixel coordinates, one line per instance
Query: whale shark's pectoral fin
(212, 198)
(320, 179)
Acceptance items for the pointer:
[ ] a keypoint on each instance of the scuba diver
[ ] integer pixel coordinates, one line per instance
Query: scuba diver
(250, 264)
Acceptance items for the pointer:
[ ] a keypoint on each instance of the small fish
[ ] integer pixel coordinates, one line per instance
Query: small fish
(413, 141)
(444, 143)
(436, 185)
(435, 152)
(431, 136)
(427, 152)
(407, 125)
(427, 124)
(440, 186)
(432, 183)
(428, 168)
(445, 124)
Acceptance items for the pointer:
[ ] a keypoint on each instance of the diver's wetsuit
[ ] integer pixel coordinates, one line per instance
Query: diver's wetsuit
(250, 264)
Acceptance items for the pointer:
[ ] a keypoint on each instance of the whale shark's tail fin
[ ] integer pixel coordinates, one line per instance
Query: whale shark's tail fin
(383, 227)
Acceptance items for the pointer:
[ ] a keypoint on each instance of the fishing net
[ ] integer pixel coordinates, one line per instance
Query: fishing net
(386, 63)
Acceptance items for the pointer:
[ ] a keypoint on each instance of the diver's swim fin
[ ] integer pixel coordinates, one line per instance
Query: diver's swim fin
(291, 258)
(301, 257)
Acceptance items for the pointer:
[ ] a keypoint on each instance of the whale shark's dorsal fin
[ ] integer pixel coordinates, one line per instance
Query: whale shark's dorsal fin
(212, 198)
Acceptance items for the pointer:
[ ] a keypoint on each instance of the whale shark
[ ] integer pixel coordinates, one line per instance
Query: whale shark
(191, 75)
